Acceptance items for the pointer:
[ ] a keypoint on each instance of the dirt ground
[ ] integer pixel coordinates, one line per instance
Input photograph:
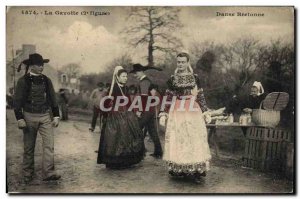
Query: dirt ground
(75, 160)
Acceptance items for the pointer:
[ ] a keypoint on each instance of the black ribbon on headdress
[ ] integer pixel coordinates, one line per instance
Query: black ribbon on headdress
(25, 63)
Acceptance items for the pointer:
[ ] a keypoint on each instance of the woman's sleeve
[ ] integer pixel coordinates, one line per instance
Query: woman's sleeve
(200, 97)
(201, 100)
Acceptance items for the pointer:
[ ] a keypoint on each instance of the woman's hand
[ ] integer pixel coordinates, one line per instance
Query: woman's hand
(195, 91)
(207, 117)
(247, 110)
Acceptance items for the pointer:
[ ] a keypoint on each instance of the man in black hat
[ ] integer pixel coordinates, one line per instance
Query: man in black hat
(33, 101)
(147, 118)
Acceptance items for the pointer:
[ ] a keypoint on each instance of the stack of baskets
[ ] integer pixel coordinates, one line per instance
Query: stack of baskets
(270, 115)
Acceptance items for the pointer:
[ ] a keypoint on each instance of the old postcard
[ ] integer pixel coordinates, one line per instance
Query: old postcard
(153, 99)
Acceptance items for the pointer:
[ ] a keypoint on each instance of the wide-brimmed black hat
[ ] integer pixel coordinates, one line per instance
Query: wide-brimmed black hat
(34, 59)
(140, 67)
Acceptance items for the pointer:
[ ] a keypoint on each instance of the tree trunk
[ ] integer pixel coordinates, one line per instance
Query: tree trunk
(151, 42)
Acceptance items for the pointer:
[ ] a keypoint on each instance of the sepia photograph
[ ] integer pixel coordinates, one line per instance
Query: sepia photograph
(150, 100)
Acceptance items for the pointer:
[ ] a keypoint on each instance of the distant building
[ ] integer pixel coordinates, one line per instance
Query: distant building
(12, 75)
(72, 83)
(59, 79)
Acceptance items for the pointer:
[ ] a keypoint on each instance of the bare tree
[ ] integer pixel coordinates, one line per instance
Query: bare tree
(277, 52)
(72, 69)
(154, 27)
(242, 56)
(123, 60)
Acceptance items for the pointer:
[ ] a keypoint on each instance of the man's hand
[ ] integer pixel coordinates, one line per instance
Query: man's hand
(138, 114)
(55, 122)
(21, 124)
(163, 116)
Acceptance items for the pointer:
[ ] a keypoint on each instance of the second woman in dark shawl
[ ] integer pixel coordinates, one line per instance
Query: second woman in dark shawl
(121, 141)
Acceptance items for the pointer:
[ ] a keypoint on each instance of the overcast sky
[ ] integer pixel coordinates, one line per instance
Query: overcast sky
(93, 41)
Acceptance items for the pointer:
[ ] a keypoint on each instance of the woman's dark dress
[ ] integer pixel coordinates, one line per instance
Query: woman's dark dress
(121, 140)
(255, 101)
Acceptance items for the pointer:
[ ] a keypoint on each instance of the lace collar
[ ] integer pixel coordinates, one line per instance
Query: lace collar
(183, 80)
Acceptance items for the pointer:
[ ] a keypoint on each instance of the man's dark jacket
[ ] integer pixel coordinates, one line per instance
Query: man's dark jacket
(35, 94)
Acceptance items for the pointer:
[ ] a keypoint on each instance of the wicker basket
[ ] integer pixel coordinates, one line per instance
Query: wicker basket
(263, 117)
(270, 115)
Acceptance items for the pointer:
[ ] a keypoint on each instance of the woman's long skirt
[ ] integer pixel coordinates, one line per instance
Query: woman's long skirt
(121, 140)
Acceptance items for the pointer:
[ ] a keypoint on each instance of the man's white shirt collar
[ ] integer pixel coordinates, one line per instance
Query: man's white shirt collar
(34, 74)
(142, 77)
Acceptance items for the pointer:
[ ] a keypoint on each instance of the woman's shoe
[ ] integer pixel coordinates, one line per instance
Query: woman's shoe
(197, 177)
(172, 173)
(198, 180)
(158, 156)
(203, 174)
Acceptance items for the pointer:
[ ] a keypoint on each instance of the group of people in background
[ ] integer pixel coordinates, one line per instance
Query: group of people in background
(186, 151)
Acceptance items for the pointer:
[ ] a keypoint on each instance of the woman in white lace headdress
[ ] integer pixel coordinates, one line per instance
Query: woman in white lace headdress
(186, 143)
(122, 140)
(257, 95)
